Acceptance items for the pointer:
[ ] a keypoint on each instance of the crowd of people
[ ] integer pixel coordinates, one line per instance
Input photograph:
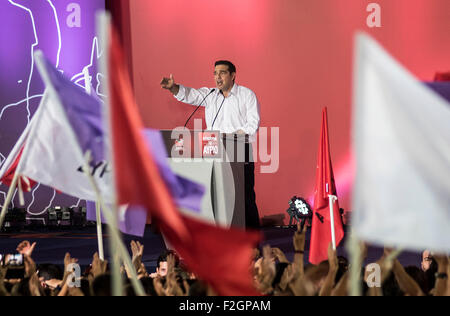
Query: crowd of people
(273, 275)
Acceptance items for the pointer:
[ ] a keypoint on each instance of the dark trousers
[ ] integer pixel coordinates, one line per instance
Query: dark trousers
(251, 210)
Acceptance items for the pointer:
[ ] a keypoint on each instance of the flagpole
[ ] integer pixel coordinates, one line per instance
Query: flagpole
(103, 25)
(101, 252)
(87, 81)
(19, 187)
(8, 198)
(354, 248)
(332, 199)
(34, 121)
(116, 275)
(117, 241)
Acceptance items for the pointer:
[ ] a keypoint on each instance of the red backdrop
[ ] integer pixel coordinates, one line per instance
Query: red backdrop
(296, 55)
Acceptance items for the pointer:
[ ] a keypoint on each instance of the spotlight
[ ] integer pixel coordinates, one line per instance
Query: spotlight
(15, 220)
(79, 217)
(60, 217)
(299, 210)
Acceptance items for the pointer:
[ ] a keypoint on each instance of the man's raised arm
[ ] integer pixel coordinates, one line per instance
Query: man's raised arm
(185, 94)
(169, 84)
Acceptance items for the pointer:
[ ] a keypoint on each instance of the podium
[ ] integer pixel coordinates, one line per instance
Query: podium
(217, 162)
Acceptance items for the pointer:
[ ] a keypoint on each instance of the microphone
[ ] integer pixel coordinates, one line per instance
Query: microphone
(218, 111)
(198, 107)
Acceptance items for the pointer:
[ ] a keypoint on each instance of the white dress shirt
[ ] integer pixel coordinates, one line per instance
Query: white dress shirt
(239, 111)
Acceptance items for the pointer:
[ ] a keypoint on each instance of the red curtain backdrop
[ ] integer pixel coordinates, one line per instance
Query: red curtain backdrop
(296, 55)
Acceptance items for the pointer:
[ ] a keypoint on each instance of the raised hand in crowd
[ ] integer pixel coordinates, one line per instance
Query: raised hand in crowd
(25, 248)
(448, 279)
(441, 286)
(329, 283)
(172, 286)
(33, 279)
(279, 255)
(68, 261)
(256, 254)
(406, 283)
(286, 278)
(35, 286)
(137, 250)
(386, 263)
(30, 266)
(266, 273)
(159, 287)
(98, 267)
(299, 239)
(299, 248)
(341, 288)
(3, 290)
(293, 281)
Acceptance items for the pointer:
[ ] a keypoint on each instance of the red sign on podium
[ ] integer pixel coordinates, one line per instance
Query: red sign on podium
(179, 145)
(209, 144)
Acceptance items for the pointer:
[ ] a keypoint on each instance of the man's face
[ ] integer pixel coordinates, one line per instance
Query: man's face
(224, 79)
(162, 270)
(426, 260)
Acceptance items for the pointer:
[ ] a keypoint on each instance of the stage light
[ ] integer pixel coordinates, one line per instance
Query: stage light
(299, 210)
(65, 216)
(79, 217)
(60, 217)
(15, 220)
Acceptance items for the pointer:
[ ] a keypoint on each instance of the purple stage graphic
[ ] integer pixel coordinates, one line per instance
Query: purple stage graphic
(65, 31)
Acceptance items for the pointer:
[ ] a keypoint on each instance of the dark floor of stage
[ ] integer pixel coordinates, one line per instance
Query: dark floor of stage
(82, 244)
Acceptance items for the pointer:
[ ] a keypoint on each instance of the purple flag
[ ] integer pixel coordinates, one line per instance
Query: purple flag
(441, 88)
(83, 112)
(131, 221)
(187, 194)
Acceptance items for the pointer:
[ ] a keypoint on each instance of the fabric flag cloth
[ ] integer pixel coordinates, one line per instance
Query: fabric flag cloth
(72, 119)
(220, 257)
(25, 183)
(9, 167)
(321, 224)
(11, 163)
(442, 76)
(441, 85)
(187, 194)
(441, 88)
(131, 220)
(67, 120)
(402, 145)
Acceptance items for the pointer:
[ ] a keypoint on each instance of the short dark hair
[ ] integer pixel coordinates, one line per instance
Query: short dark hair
(50, 272)
(163, 257)
(101, 286)
(231, 67)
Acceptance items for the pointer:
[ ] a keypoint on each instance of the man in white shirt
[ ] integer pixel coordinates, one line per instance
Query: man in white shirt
(229, 108)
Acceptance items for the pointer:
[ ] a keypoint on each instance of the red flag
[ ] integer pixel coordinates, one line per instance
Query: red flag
(321, 224)
(7, 179)
(218, 256)
(442, 76)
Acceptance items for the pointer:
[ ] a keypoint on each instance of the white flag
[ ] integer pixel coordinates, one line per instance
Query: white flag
(402, 145)
(14, 153)
(53, 155)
